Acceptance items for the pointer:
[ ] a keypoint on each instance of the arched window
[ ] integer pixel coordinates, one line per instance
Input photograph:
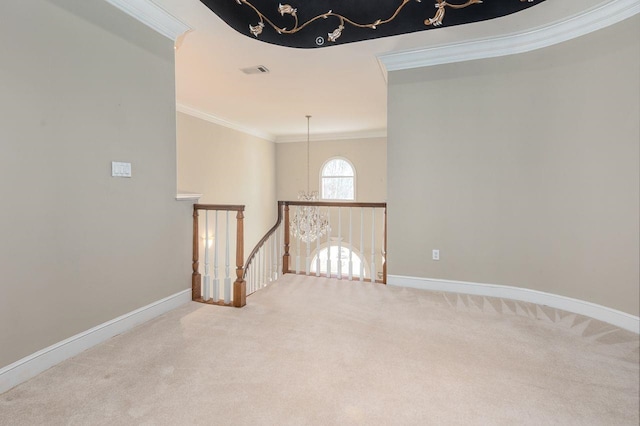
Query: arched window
(339, 254)
(338, 180)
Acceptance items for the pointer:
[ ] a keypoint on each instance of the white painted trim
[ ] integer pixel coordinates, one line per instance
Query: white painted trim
(355, 179)
(34, 364)
(592, 310)
(185, 109)
(152, 16)
(194, 112)
(368, 134)
(188, 196)
(599, 17)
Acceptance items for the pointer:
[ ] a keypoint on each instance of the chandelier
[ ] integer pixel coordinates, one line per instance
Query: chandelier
(309, 223)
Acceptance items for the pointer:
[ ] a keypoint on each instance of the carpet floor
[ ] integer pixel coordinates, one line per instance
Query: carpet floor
(317, 351)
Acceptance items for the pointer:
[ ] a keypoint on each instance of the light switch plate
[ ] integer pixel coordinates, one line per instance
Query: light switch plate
(119, 169)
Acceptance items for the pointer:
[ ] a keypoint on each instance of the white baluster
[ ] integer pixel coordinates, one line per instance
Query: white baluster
(263, 266)
(216, 280)
(339, 243)
(280, 249)
(248, 279)
(253, 274)
(362, 243)
(373, 244)
(227, 276)
(274, 266)
(329, 243)
(206, 284)
(350, 244)
(259, 269)
(280, 245)
(298, 248)
(318, 256)
(276, 261)
(275, 256)
(307, 263)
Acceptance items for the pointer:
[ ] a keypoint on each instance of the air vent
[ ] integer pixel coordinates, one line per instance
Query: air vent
(258, 69)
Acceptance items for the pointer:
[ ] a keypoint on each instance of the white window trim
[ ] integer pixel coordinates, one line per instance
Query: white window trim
(355, 180)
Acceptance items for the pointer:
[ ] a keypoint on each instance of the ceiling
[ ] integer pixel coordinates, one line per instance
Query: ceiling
(326, 23)
(343, 87)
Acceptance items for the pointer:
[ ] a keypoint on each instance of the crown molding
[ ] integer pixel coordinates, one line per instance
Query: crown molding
(194, 112)
(599, 17)
(152, 16)
(369, 134)
(185, 109)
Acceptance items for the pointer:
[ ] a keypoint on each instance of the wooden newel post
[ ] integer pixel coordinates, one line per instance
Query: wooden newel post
(196, 289)
(240, 285)
(285, 257)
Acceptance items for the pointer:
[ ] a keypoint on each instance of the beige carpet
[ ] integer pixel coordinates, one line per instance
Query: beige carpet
(312, 351)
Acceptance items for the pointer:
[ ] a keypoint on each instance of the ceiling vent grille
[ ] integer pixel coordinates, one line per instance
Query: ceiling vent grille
(258, 69)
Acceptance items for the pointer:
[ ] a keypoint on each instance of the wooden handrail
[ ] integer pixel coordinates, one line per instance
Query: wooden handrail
(270, 232)
(332, 204)
(221, 207)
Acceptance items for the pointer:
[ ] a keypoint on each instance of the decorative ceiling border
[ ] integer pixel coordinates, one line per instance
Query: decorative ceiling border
(152, 16)
(584, 23)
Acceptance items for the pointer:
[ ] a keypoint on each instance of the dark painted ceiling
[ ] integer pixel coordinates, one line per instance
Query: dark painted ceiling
(322, 23)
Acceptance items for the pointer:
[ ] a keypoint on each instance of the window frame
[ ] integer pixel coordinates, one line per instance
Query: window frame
(322, 177)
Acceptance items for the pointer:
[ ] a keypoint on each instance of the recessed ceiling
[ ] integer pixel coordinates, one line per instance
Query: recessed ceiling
(323, 23)
(344, 87)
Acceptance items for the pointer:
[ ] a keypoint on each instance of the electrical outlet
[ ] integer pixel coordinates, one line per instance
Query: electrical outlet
(435, 255)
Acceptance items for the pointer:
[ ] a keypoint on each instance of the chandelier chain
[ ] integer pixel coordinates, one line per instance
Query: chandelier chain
(309, 223)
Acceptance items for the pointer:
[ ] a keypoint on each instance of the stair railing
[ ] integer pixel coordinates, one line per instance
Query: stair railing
(213, 290)
(263, 265)
(354, 248)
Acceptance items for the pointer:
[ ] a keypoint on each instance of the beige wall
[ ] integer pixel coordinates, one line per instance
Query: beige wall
(229, 167)
(78, 247)
(523, 170)
(368, 156)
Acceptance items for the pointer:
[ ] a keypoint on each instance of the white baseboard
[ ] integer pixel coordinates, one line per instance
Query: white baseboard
(592, 310)
(34, 364)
